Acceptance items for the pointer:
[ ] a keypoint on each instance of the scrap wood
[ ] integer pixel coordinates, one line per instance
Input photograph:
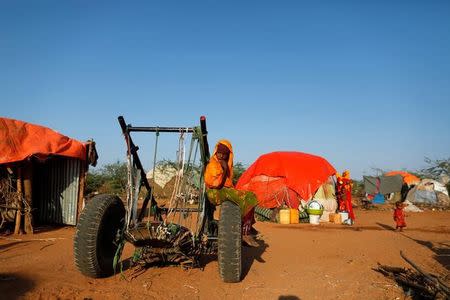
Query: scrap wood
(427, 285)
(432, 278)
(406, 278)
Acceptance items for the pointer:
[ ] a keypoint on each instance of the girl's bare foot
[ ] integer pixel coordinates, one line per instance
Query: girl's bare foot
(250, 241)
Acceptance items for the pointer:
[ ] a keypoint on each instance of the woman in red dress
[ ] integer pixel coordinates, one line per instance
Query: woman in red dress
(344, 194)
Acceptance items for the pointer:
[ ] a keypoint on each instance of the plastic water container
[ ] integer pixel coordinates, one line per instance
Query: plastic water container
(344, 216)
(314, 219)
(314, 208)
(295, 217)
(285, 216)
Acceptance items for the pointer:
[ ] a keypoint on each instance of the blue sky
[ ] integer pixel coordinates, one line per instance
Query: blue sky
(365, 84)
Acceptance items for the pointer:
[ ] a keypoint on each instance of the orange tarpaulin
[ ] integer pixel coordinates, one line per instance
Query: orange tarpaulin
(20, 140)
(285, 176)
(407, 177)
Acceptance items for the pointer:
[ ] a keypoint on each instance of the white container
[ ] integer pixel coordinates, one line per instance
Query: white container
(344, 216)
(314, 219)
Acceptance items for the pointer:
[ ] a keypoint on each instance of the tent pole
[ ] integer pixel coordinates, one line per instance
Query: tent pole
(18, 229)
(81, 189)
(27, 188)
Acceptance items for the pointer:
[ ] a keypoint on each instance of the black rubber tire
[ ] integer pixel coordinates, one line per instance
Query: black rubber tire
(230, 242)
(95, 242)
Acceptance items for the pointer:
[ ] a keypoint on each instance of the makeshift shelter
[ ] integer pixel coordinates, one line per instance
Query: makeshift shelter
(383, 184)
(49, 172)
(326, 195)
(408, 178)
(279, 178)
(429, 191)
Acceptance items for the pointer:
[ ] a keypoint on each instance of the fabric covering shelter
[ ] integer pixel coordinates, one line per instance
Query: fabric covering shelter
(383, 184)
(20, 140)
(285, 178)
(429, 191)
(408, 178)
(326, 195)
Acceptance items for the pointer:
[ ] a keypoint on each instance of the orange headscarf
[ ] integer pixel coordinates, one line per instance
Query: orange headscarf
(214, 172)
(346, 174)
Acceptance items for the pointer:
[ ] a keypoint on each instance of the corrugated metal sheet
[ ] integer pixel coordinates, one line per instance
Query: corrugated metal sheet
(58, 191)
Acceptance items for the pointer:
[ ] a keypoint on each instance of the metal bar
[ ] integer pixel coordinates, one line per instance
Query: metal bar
(138, 164)
(205, 140)
(136, 159)
(144, 207)
(160, 129)
(208, 208)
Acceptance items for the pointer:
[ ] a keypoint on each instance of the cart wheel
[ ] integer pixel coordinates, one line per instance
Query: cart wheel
(96, 236)
(230, 243)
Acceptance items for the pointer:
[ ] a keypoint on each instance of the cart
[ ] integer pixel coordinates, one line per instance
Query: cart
(179, 230)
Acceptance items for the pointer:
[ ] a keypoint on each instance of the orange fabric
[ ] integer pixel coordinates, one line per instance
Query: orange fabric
(346, 174)
(214, 172)
(285, 175)
(20, 140)
(407, 177)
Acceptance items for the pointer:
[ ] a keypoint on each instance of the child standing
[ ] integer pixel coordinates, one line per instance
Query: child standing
(399, 216)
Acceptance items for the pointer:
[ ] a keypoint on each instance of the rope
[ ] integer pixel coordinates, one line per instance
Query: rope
(189, 166)
(173, 203)
(154, 168)
(130, 181)
(284, 195)
(192, 166)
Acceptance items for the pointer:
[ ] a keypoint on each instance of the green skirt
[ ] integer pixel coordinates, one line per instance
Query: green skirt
(245, 200)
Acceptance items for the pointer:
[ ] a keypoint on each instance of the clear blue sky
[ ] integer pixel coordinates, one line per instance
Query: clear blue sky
(363, 83)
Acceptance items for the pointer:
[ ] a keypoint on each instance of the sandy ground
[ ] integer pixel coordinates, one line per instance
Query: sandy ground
(293, 262)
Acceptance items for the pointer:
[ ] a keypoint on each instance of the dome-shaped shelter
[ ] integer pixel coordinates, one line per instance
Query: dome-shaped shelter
(285, 178)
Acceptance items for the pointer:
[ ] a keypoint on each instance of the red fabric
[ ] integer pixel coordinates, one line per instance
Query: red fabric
(399, 217)
(247, 221)
(349, 204)
(344, 196)
(285, 176)
(20, 140)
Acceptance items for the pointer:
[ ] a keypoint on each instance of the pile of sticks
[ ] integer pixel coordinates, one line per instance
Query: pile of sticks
(424, 285)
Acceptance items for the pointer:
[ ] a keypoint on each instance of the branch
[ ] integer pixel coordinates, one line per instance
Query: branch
(438, 283)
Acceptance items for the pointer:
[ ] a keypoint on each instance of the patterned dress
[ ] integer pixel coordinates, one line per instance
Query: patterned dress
(399, 217)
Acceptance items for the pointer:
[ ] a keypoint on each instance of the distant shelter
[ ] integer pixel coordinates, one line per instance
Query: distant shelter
(42, 175)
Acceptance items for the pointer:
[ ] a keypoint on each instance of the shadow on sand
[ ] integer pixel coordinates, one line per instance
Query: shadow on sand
(288, 297)
(250, 254)
(14, 286)
(386, 227)
(441, 250)
(6, 247)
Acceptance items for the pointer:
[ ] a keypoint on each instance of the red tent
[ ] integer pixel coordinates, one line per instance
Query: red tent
(287, 177)
(20, 140)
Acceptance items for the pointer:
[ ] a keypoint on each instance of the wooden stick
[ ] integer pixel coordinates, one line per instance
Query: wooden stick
(440, 285)
(9, 207)
(419, 287)
(17, 228)
(392, 269)
(81, 188)
(27, 187)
